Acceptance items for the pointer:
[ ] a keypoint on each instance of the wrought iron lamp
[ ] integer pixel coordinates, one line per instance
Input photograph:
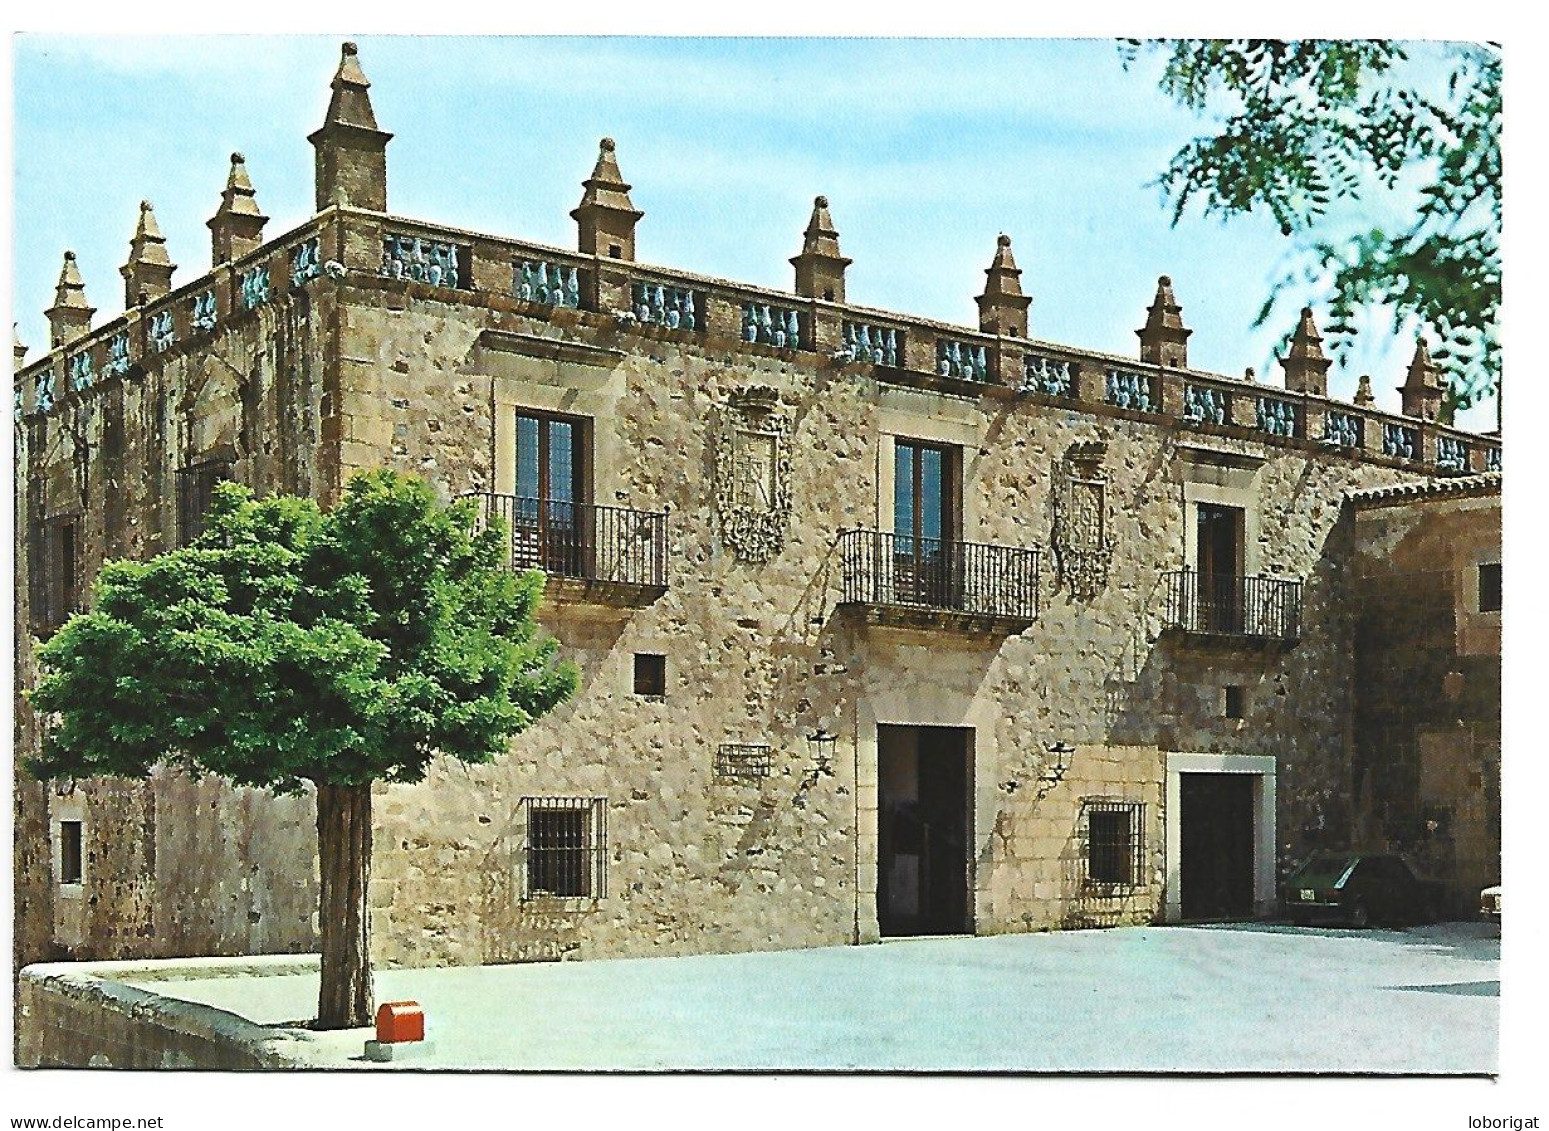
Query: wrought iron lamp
(1053, 773)
(821, 743)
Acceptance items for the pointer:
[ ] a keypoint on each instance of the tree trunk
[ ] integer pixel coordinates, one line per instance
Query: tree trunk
(344, 860)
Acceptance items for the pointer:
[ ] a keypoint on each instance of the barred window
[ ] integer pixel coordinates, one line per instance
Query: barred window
(195, 491)
(566, 846)
(1115, 842)
(742, 760)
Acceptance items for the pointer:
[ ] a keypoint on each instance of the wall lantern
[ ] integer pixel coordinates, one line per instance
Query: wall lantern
(1054, 771)
(820, 744)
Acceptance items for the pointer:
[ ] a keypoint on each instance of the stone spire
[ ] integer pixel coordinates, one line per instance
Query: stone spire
(1363, 392)
(605, 218)
(820, 266)
(1421, 390)
(1003, 306)
(18, 350)
(1164, 339)
(148, 274)
(237, 226)
(1306, 369)
(69, 317)
(351, 158)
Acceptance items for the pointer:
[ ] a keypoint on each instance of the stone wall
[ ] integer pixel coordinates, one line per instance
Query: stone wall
(72, 1015)
(172, 867)
(762, 653)
(1427, 724)
(366, 373)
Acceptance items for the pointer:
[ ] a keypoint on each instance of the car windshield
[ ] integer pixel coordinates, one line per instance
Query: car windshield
(1322, 871)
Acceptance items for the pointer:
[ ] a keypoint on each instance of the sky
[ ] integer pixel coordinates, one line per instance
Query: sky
(926, 149)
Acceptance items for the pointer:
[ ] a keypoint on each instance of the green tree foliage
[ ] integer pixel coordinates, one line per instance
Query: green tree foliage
(1301, 124)
(288, 646)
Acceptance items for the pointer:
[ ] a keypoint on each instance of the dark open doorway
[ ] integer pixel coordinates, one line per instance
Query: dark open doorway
(924, 800)
(1216, 838)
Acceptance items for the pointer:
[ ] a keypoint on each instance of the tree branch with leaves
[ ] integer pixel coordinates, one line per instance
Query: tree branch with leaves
(1302, 124)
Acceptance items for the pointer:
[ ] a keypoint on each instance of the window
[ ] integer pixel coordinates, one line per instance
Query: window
(548, 522)
(1115, 842)
(1490, 587)
(55, 573)
(650, 675)
(566, 846)
(195, 491)
(70, 856)
(924, 522)
(1219, 560)
(1236, 701)
(742, 760)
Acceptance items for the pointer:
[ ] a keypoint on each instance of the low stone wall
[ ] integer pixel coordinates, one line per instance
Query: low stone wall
(82, 1015)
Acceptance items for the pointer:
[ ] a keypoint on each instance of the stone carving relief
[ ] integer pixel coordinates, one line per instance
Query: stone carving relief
(1083, 547)
(752, 474)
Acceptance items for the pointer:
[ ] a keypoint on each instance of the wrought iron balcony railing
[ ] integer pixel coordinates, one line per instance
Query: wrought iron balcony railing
(581, 541)
(1267, 608)
(898, 570)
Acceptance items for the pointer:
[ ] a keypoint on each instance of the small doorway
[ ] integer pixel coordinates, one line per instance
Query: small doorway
(1219, 562)
(1216, 845)
(924, 800)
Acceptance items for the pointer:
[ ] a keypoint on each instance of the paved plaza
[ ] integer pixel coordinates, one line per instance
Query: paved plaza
(1243, 998)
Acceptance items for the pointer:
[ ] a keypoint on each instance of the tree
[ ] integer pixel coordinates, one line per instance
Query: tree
(290, 645)
(1305, 123)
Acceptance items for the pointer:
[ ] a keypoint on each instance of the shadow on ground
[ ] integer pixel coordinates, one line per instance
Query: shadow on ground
(1463, 989)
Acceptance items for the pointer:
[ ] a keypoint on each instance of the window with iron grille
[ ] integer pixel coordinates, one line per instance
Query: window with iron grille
(55, 571)
(70, 854)
(1115, 842)
(742, 760)
(195, 491)
(566, 847)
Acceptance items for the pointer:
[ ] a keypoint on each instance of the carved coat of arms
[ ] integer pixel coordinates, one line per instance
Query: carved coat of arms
(752, 474)
(1082, 544)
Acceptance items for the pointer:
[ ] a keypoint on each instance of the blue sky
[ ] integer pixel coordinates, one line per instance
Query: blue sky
(926, 149)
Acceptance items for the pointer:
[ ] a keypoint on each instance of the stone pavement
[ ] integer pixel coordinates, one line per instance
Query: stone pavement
(1243, 998)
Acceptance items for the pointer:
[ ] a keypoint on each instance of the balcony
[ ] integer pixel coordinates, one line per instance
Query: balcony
(595, 554)
(1224, 608)
(900, 580)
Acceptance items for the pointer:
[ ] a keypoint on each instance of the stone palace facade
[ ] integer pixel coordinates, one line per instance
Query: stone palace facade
(886, 626)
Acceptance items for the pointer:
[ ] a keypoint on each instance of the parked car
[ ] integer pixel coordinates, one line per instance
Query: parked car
(1358, 889)
(1490, 904)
